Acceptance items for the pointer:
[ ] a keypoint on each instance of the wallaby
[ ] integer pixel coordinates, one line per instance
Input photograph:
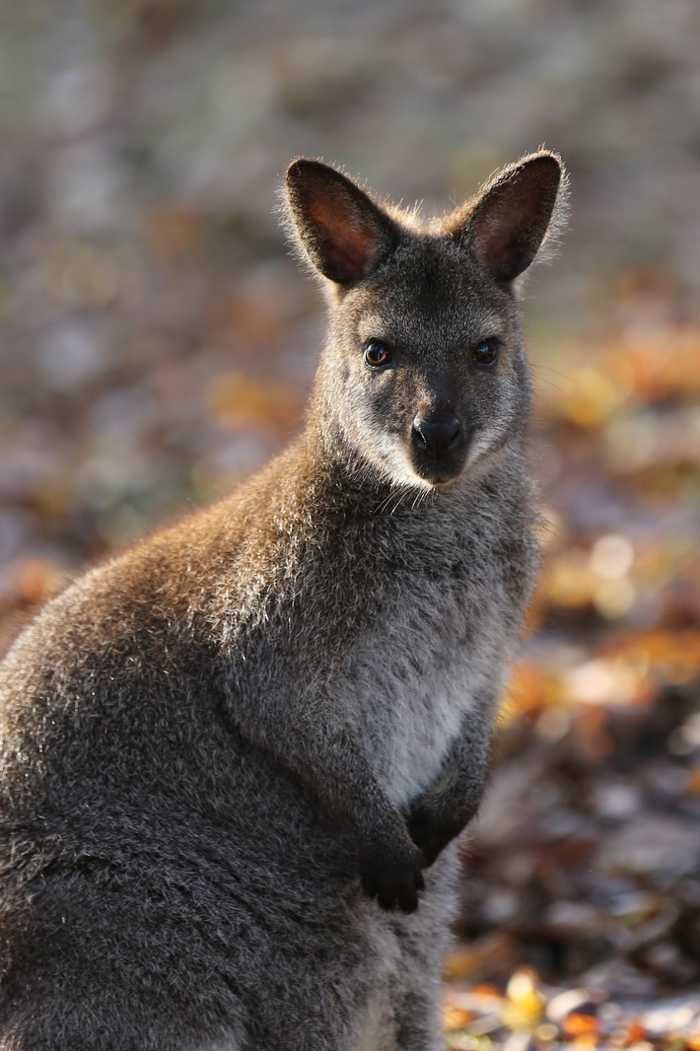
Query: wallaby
(234, 761)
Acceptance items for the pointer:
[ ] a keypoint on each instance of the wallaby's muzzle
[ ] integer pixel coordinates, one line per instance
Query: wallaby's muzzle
(439, 444)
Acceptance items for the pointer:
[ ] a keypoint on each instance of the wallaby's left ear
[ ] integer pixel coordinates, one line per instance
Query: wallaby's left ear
(344, 234)
(506, 225)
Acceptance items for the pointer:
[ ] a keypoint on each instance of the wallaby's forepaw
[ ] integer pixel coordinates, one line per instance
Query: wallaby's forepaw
(432, 835)
(394, 886)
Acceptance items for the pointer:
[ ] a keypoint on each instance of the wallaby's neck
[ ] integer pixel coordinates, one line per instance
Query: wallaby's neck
(352, 482)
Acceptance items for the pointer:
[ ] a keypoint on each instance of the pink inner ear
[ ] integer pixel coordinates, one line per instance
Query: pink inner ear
(511, 219)
(347, 243)
(499, 232)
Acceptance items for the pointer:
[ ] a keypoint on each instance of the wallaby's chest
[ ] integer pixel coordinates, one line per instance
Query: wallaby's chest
(410, 737)
(440, 634)
(399, 628)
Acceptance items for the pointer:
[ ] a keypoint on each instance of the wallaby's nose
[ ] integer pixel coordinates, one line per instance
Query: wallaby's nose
(436, 434)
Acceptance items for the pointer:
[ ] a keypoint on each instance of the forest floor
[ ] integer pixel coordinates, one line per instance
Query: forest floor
(580, 921)
(581, 910)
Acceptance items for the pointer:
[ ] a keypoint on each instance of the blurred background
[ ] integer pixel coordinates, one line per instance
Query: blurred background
(157, 344)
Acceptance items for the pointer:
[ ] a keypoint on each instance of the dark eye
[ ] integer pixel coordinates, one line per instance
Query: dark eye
(377, 354)
(485, 353)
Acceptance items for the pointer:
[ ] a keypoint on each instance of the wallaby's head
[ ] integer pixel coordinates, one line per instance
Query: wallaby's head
(424, 371)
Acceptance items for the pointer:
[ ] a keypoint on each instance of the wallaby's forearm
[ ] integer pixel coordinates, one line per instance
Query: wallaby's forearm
(330, 762)
(447, 806)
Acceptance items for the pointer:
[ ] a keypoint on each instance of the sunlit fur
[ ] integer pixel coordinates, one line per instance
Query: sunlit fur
(220, 747)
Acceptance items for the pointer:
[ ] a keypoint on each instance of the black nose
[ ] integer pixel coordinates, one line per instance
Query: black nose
(436, 434)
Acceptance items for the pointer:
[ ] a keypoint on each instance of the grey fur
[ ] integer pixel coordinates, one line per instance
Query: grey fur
(215, 749)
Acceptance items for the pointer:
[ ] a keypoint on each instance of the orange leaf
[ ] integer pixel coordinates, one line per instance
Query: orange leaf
(578, 1024)
(455, 1018)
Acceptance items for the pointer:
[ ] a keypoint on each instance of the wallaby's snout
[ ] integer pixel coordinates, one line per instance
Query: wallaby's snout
(439, 445)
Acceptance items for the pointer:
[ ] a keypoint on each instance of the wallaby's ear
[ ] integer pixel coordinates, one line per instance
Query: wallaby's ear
(344, 234)
(508, 222)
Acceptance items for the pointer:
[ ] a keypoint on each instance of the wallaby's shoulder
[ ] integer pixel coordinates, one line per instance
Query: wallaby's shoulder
(160, 587)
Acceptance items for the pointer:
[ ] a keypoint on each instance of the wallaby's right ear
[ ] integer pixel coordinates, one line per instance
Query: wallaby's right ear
(513, 214)
(344, 234)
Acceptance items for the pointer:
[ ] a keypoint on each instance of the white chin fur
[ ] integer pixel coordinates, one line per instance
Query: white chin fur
(401, 472)
(395, 465)
(487, 447)
(405, 477)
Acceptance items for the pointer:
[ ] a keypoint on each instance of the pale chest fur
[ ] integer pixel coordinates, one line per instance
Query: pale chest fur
(415, 672)
(410, 705)
(409, 741)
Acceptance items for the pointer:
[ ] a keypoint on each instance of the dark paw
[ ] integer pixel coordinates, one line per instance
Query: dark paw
(394, 886)
(431, 836)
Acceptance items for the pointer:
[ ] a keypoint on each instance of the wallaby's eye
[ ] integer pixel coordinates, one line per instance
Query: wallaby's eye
(485, 353)
(377, 354)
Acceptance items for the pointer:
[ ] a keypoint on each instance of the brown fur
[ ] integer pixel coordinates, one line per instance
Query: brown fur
(233, 760)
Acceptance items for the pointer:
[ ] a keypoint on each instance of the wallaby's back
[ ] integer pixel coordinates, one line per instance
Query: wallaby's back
(148, 857)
